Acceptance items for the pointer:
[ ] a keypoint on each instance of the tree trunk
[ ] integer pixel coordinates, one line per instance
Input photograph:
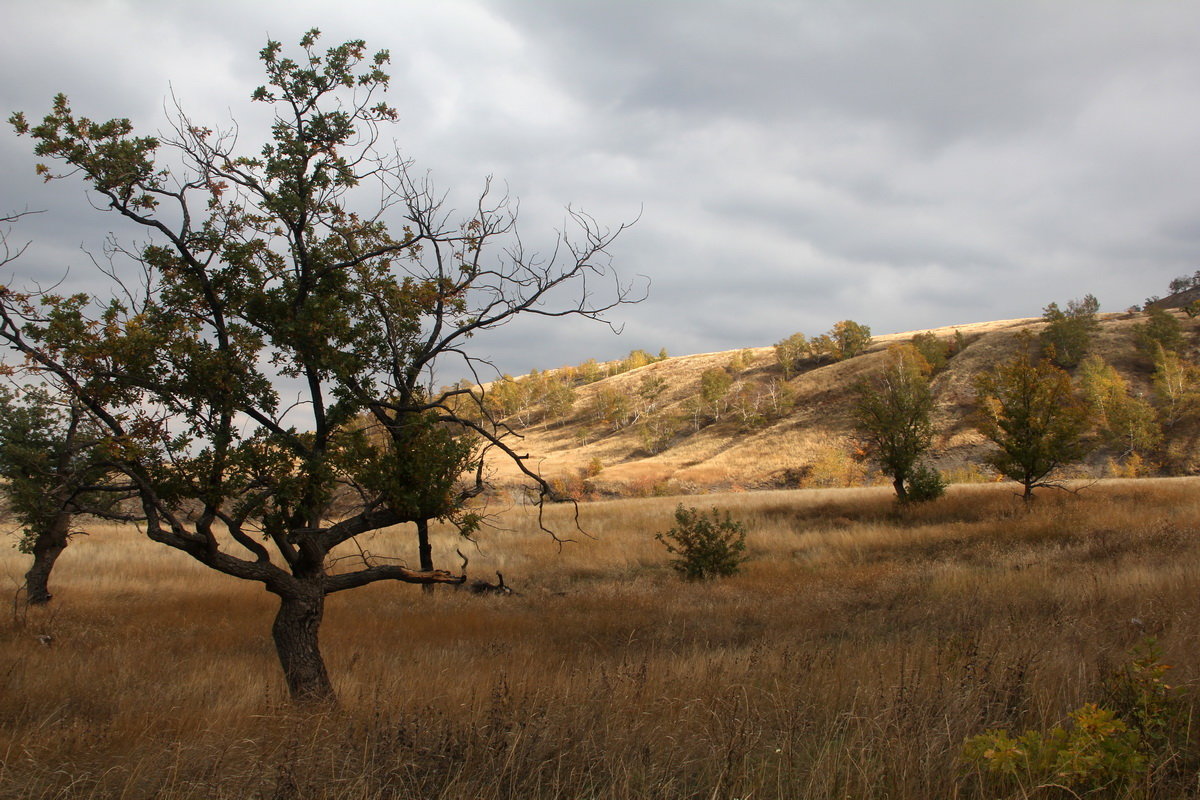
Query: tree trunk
(295, 633)
(424, 551)
(47, 547)
(901, 492)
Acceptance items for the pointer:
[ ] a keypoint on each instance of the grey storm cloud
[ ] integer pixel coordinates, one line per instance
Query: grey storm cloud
(908, 165)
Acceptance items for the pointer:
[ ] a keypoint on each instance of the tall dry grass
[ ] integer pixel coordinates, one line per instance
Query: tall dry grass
(851, 658)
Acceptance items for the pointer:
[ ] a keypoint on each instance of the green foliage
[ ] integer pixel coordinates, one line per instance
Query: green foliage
(1097, 751)
(714, 386)
(1140, 733)
(1161, 329)
(1176, 383)
(1030, 411)
(417, 465)
(50, 457)
(935, 350)
(790, 352)
(707, 545)
(846, 339)
(1068, 334)
(1125, 421)
(892, 412)
(925, 484)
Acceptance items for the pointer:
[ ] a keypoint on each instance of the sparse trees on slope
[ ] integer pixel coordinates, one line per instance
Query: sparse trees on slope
(1176, 384)
(1125, 421)
(1032, 414)
(264, 271)
(892, 411)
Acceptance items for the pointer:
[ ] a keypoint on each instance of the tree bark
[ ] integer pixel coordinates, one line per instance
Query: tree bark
(47, 547)
(898, 485)
(424, 551)
(295, 633)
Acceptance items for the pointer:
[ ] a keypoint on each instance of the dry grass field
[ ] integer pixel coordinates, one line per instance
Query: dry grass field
(851, 658)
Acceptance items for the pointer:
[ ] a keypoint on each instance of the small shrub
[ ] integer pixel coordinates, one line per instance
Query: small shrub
(925, 484)
(1141, 735)
(1097, 751)
(832, 466)
(707, 545)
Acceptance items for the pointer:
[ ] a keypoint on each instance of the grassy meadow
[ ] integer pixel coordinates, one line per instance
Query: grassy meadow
(851, 658)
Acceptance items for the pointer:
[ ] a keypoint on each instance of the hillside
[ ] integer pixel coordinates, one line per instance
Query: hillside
(778, 433)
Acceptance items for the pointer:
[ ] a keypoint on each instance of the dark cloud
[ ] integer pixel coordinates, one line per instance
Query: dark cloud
(907, 164)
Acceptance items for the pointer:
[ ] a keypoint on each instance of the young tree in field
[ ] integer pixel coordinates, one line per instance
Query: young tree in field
(290, 289)
(1068, 334)
(892, 413)
(1032, 414)
(424, 482)
(52, 473)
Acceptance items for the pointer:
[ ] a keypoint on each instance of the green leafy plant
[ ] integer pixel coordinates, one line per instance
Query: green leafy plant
(925, 484)
(1068, 334)
(1140, 735)
(1096, 751)
(707, 545)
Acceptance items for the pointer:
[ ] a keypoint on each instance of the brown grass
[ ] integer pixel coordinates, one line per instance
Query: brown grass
(851, 658)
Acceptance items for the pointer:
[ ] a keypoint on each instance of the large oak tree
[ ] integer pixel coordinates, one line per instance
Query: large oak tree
(287, 292)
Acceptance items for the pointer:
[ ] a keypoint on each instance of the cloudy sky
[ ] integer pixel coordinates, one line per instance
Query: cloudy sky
(907, 164)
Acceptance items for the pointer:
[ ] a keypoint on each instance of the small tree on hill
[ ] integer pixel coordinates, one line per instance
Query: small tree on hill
(1032, 414)
(790, 352)
(1068, 334)
(1160, 330)
(267, 268)
(892, 412)
(1176, 384)
(846, 339)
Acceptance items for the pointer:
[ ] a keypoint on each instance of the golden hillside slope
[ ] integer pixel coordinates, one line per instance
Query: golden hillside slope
(813, 440)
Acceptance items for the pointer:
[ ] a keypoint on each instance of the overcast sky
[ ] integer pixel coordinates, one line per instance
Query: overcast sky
(906, 164)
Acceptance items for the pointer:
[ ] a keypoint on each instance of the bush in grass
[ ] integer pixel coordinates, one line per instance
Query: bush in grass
(1138, 744)
(924, 484)
(707, 545)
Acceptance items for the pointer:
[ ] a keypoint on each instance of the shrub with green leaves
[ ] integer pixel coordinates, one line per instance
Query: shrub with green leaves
(1139, 740)
(925, 484)
(707, 545)
(1096, 751)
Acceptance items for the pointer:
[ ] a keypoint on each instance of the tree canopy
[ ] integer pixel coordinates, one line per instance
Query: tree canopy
(287, 292)
(1029, 409)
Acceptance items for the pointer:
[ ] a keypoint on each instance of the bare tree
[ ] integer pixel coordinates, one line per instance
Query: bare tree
(276, 270)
